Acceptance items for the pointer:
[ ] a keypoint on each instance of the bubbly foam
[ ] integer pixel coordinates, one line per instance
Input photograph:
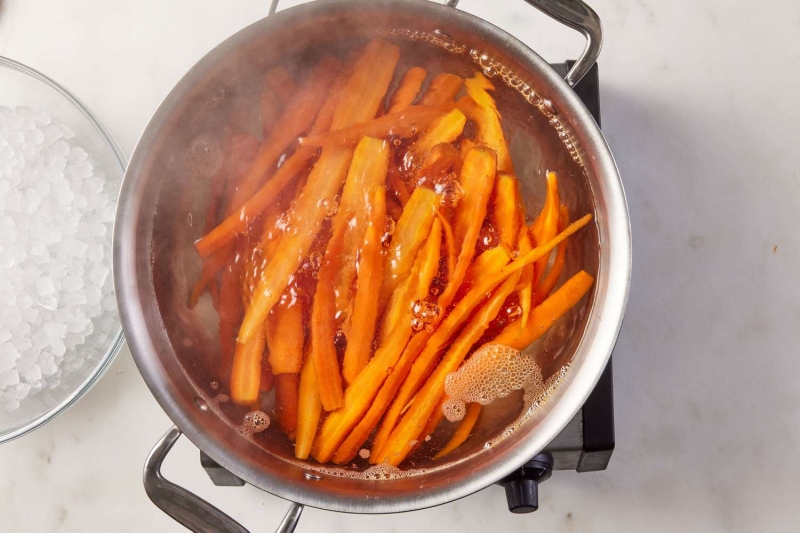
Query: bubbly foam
(254, 422)
(494, 371)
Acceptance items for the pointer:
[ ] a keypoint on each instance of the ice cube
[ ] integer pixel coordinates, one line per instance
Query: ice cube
(44, 286)
(98, 274)
(8, 378)
(54, 330)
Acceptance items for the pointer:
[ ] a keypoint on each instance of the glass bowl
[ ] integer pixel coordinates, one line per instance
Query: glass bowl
(22, 86)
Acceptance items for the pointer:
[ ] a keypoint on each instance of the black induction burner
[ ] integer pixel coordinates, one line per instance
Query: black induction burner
(584, 445)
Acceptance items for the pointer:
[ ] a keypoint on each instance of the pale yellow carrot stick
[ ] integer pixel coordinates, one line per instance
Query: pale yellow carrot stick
(407, 432)
(407, 90)
(309, 410)
(462, 431)
(358, 102)
(368, 285)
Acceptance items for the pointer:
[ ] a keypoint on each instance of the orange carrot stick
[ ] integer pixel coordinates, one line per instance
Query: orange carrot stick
(323, 327)
(285, 338)
(489, 261)
(443, 88)
(230, 314)
(407, 90)
(549, 280)
(360, 394)
(362, 94)
(410, 231)
(545, 226)
(424, 348)
(462, 431)
(309, 410)
(444, 129)
(407, 432)
(296, 119)
(404, 124)
(477, 179)
(487, 118)
(506, 209)
(437, 163)
(450, 243)
(367, 172)
(547, 313)
(286, 402)
(370, 277)
(413, 288)
(246, 369)
(526, 280)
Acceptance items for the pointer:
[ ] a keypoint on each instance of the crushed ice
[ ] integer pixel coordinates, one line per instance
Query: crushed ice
(56, 293)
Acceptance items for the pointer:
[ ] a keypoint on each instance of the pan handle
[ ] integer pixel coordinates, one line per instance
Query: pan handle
(191, 511)
(582, 18)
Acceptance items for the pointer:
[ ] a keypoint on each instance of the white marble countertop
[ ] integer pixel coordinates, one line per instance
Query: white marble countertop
(699, 106)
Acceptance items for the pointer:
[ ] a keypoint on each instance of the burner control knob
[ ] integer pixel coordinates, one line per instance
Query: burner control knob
(522, 486)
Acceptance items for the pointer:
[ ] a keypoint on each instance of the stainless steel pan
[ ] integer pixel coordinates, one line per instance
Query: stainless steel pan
(154, 260)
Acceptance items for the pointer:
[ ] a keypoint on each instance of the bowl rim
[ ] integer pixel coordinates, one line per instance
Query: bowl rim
(583, 379)
(119, 338)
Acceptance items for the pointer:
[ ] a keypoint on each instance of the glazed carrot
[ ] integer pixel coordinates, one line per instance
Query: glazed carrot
(367, 172)
(286, 402)
(323, 327)
(547, 313)
(361, 96)
(465, 146)
(359, 396)
(414, 288)
(285, 338)
(506, 208)
(425, 347)
(278, 90)
(549, 280)
(444, 129)
(407, 432)
(403, 124)
(298, 116)
(370, 277)
(443, 88)
(487, 118)
(246, 369)
(477, 179)
(407, 90)
(462, 431)
(309, 409)
(545, 226)
(450, 243)
(432, 423)
(409, 233)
